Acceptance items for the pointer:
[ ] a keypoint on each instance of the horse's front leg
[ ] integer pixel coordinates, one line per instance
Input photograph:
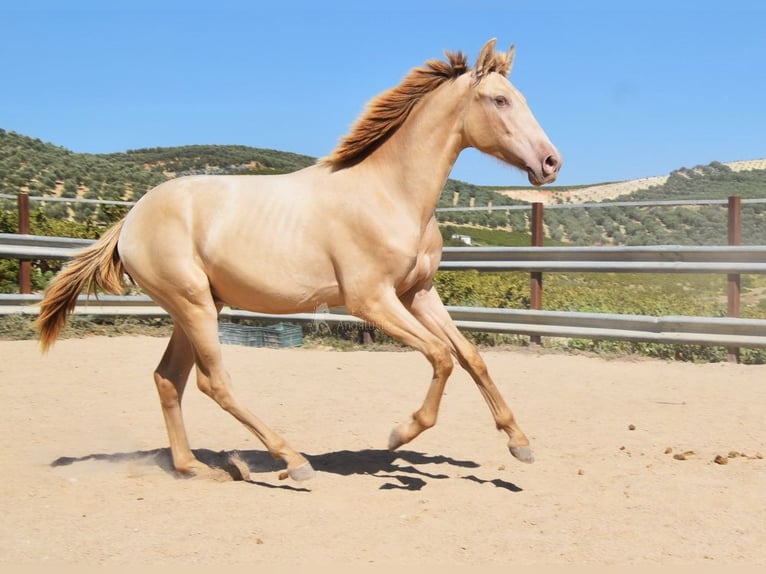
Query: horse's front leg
(387, 312)
(426, 305)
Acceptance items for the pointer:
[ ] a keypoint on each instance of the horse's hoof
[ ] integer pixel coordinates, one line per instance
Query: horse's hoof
(523, 453)
(208, 473)
(237, 468)
(395, 439)
(300, 473)
(194, 469)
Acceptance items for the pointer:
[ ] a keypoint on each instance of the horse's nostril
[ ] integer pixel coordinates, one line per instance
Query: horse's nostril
(551, 164)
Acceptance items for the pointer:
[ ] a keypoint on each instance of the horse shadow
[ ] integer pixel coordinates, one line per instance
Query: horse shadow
(398, 469)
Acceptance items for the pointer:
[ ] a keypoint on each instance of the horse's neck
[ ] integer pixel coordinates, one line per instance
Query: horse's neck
(420, 154)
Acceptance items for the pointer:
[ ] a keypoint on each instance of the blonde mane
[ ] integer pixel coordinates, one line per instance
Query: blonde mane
(388, 111)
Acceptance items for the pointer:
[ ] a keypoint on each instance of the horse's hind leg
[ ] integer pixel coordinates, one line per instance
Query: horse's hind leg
(170, 377)
(199, 320)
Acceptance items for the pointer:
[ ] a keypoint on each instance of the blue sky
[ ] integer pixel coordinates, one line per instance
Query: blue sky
(624, 89)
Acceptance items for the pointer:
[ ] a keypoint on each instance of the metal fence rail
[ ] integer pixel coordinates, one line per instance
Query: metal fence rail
(651, 259)
(721, 331)
(728, 332)
(452, 209)
(732, 260)
(18, 246)
(600, 204)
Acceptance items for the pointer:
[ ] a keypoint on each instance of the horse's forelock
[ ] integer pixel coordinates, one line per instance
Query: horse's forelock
(458, 63)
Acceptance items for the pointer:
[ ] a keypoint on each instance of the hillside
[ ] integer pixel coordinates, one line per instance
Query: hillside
(611, 191)
(585, 194)
(43, 169)
(602, 224)
(28, 164)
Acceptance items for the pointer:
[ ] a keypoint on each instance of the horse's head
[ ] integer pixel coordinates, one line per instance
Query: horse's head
(499, 122)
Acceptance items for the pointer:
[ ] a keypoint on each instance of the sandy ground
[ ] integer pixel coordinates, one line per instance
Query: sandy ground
(88, 481)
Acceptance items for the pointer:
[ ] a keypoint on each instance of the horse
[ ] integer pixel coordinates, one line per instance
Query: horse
(357, 229)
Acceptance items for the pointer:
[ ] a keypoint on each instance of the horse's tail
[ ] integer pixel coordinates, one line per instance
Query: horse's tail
(96, 266)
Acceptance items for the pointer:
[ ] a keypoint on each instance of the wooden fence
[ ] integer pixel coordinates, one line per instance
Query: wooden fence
(732, 260)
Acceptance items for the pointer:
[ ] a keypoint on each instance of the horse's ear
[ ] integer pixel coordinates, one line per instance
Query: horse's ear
(509, 57)
(486, 59)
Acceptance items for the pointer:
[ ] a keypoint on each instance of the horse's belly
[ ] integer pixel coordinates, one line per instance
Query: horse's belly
(273, 291)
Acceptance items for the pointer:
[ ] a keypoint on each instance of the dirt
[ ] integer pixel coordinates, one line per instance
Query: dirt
(89, 480)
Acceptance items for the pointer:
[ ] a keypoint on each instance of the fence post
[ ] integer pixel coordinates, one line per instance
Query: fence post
(733, 279)
(536, 277)
(25, 265)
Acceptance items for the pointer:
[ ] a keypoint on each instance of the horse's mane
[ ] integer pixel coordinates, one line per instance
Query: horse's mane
(388, 111)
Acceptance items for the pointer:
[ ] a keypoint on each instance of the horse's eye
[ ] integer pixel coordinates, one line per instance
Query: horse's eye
(501, 101)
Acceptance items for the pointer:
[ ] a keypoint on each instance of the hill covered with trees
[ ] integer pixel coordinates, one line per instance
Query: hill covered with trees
(39, 168)
(43, 169)
(613, 224)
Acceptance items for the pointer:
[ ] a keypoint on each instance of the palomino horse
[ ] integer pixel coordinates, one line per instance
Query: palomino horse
(356, 230)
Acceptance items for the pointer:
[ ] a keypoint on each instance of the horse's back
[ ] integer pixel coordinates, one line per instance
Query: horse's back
(257, 239)
(198, 208)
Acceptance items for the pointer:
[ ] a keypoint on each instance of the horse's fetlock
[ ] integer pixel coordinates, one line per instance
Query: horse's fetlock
(505, 421)
(425, 420)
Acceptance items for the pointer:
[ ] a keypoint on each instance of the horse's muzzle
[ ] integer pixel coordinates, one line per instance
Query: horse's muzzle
(547, 171)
